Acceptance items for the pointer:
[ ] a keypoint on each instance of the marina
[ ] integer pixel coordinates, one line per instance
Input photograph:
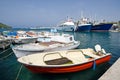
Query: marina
(59, 40)
(107, 40)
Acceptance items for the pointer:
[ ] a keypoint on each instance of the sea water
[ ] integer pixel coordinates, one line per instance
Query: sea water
(10, 69)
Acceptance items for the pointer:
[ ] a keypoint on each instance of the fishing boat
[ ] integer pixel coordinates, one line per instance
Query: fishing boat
(83, 25)
(101, 27)
(63, 42)
(67, 26)
(64, 61)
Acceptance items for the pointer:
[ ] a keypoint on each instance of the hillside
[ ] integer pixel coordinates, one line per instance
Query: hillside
(4, 26)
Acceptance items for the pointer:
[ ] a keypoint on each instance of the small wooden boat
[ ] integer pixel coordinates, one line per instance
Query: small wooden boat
(64, 61)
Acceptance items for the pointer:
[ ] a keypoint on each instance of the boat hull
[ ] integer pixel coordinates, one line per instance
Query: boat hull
(101, 27)
(84, 28)
(20, 53)
(4, 43)
(66, 28)
(67, 69)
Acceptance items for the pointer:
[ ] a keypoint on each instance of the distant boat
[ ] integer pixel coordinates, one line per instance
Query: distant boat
(4, 42)
(67, 26)
(83, 25)
(9, 34)
(22, 37)
(64, 61)
(101, 27)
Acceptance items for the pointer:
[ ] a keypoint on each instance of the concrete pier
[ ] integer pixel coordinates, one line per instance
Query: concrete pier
(113, 73)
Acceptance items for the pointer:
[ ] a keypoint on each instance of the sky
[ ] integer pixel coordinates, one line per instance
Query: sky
(32, 13)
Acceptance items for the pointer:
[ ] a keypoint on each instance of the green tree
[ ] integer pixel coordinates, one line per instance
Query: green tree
(4, 26)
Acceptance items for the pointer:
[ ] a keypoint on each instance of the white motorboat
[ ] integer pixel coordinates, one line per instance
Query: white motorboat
(67, 26)
(56, 43)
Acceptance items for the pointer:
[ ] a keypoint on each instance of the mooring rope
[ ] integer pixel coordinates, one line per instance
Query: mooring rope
(18, 73)
(5, 50)
(6, 56)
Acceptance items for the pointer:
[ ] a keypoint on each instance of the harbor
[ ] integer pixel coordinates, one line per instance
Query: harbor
(59, 40)
(88, 40)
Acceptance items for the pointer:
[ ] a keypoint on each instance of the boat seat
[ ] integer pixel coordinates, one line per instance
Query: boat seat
(98, 48)
(55, 59)
(59, 61)
(33, 60)
(76, 56)
(90, 52)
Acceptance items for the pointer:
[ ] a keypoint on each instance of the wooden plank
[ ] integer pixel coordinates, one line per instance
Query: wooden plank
(113, 73)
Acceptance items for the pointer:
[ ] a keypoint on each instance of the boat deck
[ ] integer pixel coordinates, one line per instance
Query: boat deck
(113, 73)
(50, 43)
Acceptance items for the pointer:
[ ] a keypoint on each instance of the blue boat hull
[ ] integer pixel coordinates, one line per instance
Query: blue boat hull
(101, 27)
(84, 28)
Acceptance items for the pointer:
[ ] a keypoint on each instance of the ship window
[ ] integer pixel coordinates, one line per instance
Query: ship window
(70, 38)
